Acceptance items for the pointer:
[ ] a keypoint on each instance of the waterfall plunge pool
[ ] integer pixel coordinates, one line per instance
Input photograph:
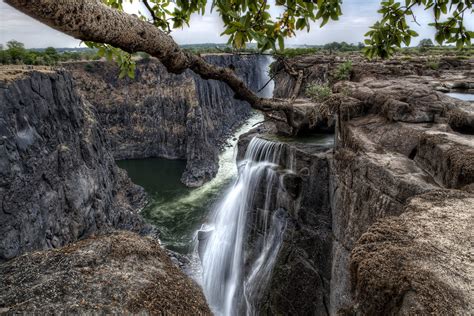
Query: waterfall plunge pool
(220, 209)
(176, 210)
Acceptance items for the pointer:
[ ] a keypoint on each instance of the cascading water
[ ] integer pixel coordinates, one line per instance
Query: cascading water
(228, 287)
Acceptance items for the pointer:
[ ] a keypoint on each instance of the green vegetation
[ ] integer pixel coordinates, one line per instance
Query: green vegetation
(250, 21)
(16, 53)
(317, 92)
(433, 64)
(426, 42)
(344, 71)
(292, 52)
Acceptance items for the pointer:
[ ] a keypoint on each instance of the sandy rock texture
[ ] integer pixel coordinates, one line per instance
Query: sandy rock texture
(419, 263)
(117, 273)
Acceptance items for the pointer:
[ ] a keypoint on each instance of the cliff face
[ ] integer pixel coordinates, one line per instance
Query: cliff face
(300, 280)
(165, 115)
(380, 224)
(58, 182)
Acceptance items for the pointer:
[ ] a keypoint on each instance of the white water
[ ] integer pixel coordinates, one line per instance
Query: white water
(228, 289)
(462, 96)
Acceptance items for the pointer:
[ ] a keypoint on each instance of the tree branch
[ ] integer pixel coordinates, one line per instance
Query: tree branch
(91, 20)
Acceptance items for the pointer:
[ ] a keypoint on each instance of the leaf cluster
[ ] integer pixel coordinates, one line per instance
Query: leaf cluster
(393, 30)
(248, 21)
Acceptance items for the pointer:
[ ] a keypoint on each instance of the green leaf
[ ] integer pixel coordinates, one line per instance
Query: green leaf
(281, 42)
(300, 23)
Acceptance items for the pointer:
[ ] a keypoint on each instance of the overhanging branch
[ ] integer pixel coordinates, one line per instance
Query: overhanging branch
(91, 20)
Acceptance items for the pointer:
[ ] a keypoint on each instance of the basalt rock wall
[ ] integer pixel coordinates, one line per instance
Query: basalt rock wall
(300, 280)
(158, 114)
(398, 184)
(58, 182)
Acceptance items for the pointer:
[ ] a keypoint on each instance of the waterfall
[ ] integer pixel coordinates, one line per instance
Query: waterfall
(234, 279)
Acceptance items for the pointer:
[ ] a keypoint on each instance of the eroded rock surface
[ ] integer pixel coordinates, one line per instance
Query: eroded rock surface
(400, 170)
(399, 144)
(58, 182)
(118, 273)
(419, 263)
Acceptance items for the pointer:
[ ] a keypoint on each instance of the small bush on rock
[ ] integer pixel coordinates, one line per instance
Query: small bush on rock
(318, 93)
(344, 70)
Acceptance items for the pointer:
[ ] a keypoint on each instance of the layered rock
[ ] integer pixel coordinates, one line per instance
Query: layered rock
(117, 273)
(401, 169)
(450, 73)
(166, 115)
(58, 182)
(400, 145)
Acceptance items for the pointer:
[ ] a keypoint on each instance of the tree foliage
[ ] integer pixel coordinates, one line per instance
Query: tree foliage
(393, 30)
(16, 53)
(426, 42)
(252, 21)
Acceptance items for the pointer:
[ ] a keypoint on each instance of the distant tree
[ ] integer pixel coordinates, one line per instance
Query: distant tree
(51, 51)
(13, 44)
(17, 51)
(426, 42)
(52, 55)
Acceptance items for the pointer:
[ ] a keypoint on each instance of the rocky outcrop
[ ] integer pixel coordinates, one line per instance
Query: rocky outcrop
(419, 262)
(397, 207)
(118, 273)
(401, 145)
(58, 182)
(443, 74)
(166, 115)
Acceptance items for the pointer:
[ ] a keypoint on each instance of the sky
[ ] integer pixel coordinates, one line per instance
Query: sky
(358, 16)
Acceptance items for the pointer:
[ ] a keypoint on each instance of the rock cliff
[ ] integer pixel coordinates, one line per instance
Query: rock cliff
(380, 225)
(165, 115)
(58, 182)
(300, 281)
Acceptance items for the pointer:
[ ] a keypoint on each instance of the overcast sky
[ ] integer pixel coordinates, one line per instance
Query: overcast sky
(358, 16)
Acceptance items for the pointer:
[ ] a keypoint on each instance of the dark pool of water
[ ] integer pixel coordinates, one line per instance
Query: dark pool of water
(171, 207)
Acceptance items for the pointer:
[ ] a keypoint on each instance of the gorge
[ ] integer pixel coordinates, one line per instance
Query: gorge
(365, 212)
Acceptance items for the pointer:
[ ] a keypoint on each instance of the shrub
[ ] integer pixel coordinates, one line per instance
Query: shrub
(433, 64)
(89, 67)
(318, 93)
(343, 71)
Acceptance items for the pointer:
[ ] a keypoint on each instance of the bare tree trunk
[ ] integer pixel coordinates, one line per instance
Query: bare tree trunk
(91, 20)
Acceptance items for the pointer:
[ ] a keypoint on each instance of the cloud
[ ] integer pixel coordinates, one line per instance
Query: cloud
(357, 17)
(18, 26)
